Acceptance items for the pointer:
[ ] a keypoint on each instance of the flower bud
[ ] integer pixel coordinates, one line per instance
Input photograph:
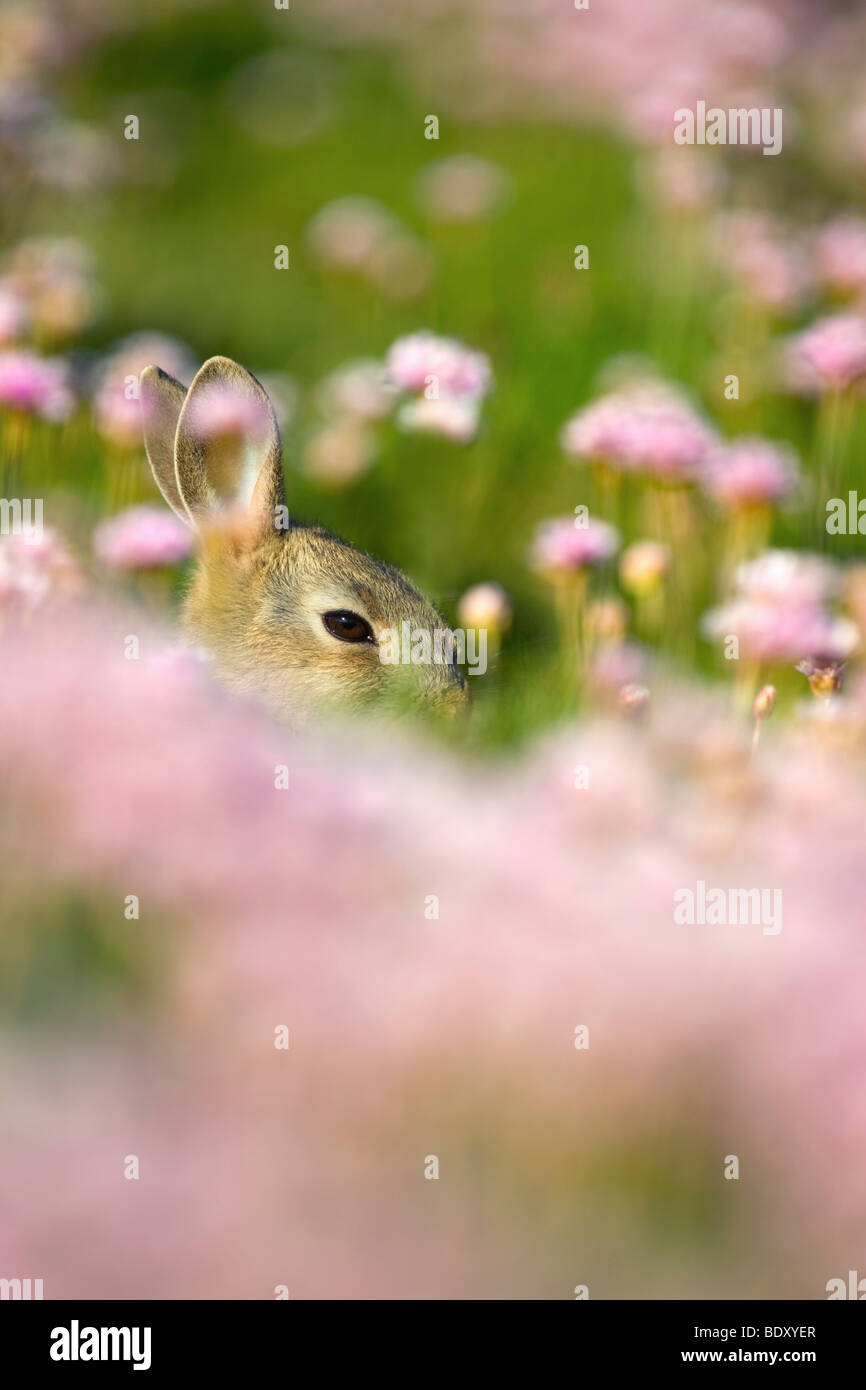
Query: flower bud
(643, 566)
(764, 702)
(485, 605)
(634, 699)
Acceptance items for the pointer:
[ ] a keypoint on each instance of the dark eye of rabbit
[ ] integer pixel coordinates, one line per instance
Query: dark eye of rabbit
(348, 627)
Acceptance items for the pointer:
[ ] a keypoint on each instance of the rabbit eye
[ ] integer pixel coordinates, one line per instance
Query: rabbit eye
(348, 627)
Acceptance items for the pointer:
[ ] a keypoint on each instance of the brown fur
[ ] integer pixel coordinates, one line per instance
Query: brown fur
(258, 593)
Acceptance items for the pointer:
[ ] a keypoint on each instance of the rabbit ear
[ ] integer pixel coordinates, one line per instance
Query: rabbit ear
(162, 399)
(227, 450)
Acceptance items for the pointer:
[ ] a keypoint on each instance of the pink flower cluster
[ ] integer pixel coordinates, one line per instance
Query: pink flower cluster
(840, 252)
(34, 569)
(830, 355)
(448, 380)
(750, 472)
(46, 289)
(360, 236)
(648, 428)
(33, 385)
(413, 363)
(142, 537)
(563, 546)
(284, 954)
(780, 611)
(628, 68)
(358, 390)
(782, 267)
(768, 260)
(461, 188)
(116, 402)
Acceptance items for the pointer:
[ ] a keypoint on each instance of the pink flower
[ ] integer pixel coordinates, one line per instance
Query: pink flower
(462, 188)
(764, 256)
(828, 356)
(643, 428)
(178, 663)
(782, 576)
(340, 452)
(126, 777)
(362, 236)
(779, 612)
(400, 266)
(840, 252)
(750, 471)
(116, 402)
(454, 417)
(643, 566)
(485, 605)
(782, 632)
(52, 277)
(561, 545)
(359, 389)
(449, 379)
(346, 233)
(599, 431)
(35, 567)
(618, 664)
(35, 385)
(424, 359)
(681, 180)
(142, 538)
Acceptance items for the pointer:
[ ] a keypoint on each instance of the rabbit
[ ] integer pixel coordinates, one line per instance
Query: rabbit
(286, 611)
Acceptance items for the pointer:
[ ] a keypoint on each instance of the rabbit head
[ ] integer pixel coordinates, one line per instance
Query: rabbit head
(286, 610)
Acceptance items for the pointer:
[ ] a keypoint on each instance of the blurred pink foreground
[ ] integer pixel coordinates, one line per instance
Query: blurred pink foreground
(413, 1035)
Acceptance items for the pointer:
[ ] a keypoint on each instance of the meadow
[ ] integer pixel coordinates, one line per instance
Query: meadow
(182, 237)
